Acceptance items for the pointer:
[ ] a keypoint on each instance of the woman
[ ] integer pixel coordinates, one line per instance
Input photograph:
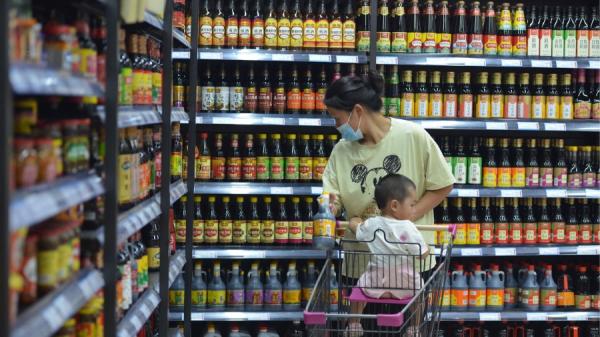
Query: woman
(374, 146)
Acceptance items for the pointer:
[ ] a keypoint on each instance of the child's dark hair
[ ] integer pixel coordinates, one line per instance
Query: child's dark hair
(348, 91)
(392, 187)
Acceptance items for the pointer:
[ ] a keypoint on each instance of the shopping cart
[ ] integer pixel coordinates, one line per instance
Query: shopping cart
(416, 314)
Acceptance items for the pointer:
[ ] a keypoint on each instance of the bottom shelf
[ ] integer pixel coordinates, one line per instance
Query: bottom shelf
(521, 316)
(232, 316)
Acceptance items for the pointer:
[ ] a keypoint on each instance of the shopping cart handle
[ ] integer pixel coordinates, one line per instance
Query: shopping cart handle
(452, 230)
(393, 320)
(314, 318)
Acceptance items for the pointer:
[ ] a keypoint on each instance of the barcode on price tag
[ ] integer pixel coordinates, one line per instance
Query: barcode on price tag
(548, 251)
(511, 193)
(496, 125)
(468, 193)
(555, 126)
(528, 125)
(566, 64)
(505, 251)
(309, 121)
(282, 57)
(319, 58)
(510, 63)
(346, 59)
(541, 64)
(489, 316)
(555, 193)
(281, 190)
(211, 56)
(470, 251)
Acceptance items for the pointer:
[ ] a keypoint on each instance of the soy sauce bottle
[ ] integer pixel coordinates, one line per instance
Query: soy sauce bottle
(292, 160)
(277, 159)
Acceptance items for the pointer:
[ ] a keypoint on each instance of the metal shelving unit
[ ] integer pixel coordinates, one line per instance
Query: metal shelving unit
(234, 316)
(239, 253)
(521, 316)
(30, 79)
(158, 23)
(524, 250)
(271, 56)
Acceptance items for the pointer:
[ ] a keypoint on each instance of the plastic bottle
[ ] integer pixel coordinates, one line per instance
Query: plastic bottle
(446, 294)
(211, 331)
(177, 293)
(235, 287)
(582, 289)
(548, 291)
(254, 289)
(495, 289)
(273, 293)
(198, 287)
(334, 293)
(477, 289)
(292, 289)
(310, 278)
(235, 332)
(459, 299)
(324, 225)
(510, 288)
(530, 290)
(263, 331)
(216, 288)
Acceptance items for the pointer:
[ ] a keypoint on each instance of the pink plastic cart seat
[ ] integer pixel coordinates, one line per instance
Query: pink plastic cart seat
(358, 295)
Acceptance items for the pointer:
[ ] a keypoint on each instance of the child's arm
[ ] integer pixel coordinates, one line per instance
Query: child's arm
(354, 224)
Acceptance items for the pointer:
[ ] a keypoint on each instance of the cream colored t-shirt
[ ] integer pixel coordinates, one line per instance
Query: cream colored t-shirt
(354, 169)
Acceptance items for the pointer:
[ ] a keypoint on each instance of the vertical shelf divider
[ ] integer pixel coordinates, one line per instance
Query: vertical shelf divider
(372, 59)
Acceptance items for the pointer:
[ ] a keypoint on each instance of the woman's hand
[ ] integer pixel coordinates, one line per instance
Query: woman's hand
(354, 223)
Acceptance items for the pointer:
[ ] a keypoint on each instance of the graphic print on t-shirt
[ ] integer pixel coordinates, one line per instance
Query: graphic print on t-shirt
(360, 174)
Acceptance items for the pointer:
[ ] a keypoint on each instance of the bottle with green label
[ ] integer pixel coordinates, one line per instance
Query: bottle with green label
(177, 293)
(474, 162)
(292, 160)
(558, 34)
(459, 162)
(570, 34)
(216, 293)
(392, 93)
(277, 159)
(263, 161)
(198, 287)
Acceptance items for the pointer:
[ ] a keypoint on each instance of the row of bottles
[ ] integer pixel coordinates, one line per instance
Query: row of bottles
(520, 221)
(239, 88)
(492, 95)
(257, 289)
(248, 222)
(263, 157)
(531, 287)
(519, 329)
(491, 29)
(516, 162)
(283, 25)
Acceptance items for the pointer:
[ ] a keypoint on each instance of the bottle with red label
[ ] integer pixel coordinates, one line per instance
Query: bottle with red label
(265, 93)
(322, 85)
(234, 160)
(249, 159)
(465, 97)
(295, 223)
(279, 94)
(282, 224)
(519, 32)
(459, 32)
(575, 176)
(414, 38)
(532, 170)
(518, 164)
(582, 289)
(560, 164)
(545, 226)
(450, 99)
(490, 42)
(251, 96)
(308, 93)
(501, 234)
(225, 223)
(530, 228)
(515, 224)
(487, 223)
(588, 173)
(505, 31)
(443, 36)
(277, 158)
(558, 223)
(572, 223)
(218, 171)
(585, 223)
(245, 26)
(292, 160)
(258, 26)
(429, 43)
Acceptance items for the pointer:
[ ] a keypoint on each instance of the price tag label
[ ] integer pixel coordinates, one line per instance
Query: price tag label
(346, 59)
(505, 251)
(136, 322)
(145, 309)
(211, 55)
(468, 193)
(63, 306)
(592, 194)
(536, 316)
(281, 190)
(489, 316)
(549, 251)
(556, 193)
(594, 64)
(528, 125)
(309, 121)
(496, 125)
(53, 318)
(470, 251)
(319, 58)
(316, 190)
(86, 288)
(555, 126)
(566, 64)
(222, 120)
(588, 250)
(541, 64)
(510, 63)
(283, 57)
(387, 60)
(511, 193)
(273, 120)
(577, 316)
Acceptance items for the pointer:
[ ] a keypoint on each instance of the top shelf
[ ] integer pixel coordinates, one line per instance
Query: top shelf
(271, 55)
(157, 23)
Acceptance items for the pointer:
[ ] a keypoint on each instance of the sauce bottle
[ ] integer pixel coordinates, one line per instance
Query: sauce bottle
(545, 33)
(435, 95)
(271, 26)
(510, 97)
(519, 31)
(292, 289)
(176, 153)
(459, 295)
(575, 175)
(595, 287)
(236, 93)
(348, 28)
(582, 289)
(281, 224)
(273, 294)
(538, 106)
(588, 175)
(450, 98)
(515, 224)
(505, 31)
(199, 288)
(249, 160)
(545, 227)
(504, 167)
(265, 93)
(308, 93)
(552, 98)
(560, 166)
(558, 223)
(254, 229)
(296, 27)
(307, 224)
(465, 97)
(310, 27)
(245, 26)
(267, 227)
(322, 38)
(473, 225)
(524, 97)
(277, 159)
(572, 223)
(319, 159)
(558, 34)
(258, 26)
(459, 32)
(408, 96)
(324, 225)
(510, 288)
(251, 97)
(322, 86)
(487, 224)
(232, 26)
(532, 170)
(414, 38)
(475, 38)
(566, 98)
(216, 293)
(294, 96)
(501, 227)
(240, 226)
(548, 291)
(497, 103)
(530, 228)
(565, 298)
(490, 167)
(477, 289)
(482, 100)
(429, 42)
(546, 169)
(309, 280)
(392, 93)
(582, 99)
(295, 223)
(490, 42)
(208, 92)
(218, 25)
(279, 94)
(443, 36)
(383, 27)
(234, 160)
(422, 95)
(529, 297)
(211, 226)
(443, 237)
(263, 160)
(518, 164)
(459, 162)
(533, 33)
(198, 224)
(594, 34)
(398, 28)
(495, 288)
(585, 223)
(254, 294)
(305, 160)
(235, 288)
(460, 223)
(283, 27)
(570, 34)
(226, 223)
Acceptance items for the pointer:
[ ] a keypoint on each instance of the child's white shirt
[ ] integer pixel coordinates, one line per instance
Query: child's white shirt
(396, 232)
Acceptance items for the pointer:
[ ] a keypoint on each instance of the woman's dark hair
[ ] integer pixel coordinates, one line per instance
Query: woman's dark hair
(348, 91)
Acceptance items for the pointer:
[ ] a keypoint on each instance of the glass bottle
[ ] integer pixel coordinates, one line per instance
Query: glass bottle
(575, 176)
(533, 33)
(519, 30)
(465, 97)
(263, 159)
(218, 22)
(582, 99)
(234, 159)
(279, 94)
(251, 96)
(249, 160)
(413, 28)
(429, 28)
(408, 96)
(308, 93)
(490, 167)
(459, 31)
(475, 38)
(560, 164)
(271, 26)
(518, 164)
(281, 223)
(558, 34)
(205, 38)
(443, 36)
(490, 40)
(335, 28)
(283, 27)
(552, 97)
(570, 33)
(422, 95)
(267, 228)
(510, 97)
(232, 26)
(348, 27)
(218, 161)
(532, 170)
(398, 28)
(524, 97)
(292, 160)
(277, 159)
(258, 26)
(435, 95)
(482, 100)
(226, 223)
(505, 31)
(296, 27)
(546, 169)
(294, 96)
(322, 38)
(310, 27)
(450, 96)
(545, 33)
(265, 93)
(306, 160)
(538, 107)
(245, 26)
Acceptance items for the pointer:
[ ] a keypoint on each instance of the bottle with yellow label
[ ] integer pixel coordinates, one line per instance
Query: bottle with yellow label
(538, 101)
(335, 28)
(271, 26)
(198, 287)
(310, 27)
(205, 39)
(324, 225)
(398, 28)
(422, 95)
(218, 22)
(225, 223)
(216, 293)
(566, 98)
(177, 292)
(253, 232)
(490, 167)
(322, 37)
(524, 97)
(240, 225)
(552, 97)
(267, 227)
(296, 27)
(348, 28)
(283, 27)
(482, 100)
(436, 104)
(211, 226)
(518, 164)
(497, 98)
(292, 289)
(450, 96)
(408, 95)
(510, 97)
(504, 166)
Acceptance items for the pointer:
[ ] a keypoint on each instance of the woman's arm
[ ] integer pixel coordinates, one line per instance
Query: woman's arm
(430, 200)
(354, 223)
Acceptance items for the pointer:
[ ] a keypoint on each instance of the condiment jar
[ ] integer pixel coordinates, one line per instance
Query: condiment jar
(26, 162)
(46, 160)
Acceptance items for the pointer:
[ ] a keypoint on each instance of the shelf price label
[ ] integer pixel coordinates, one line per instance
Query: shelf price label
(316, 190)
(505, 251)
(588, 250)
(566, 64)
(541, 64)
(528, 125)
(592, 194)
(496, 126)
(319, 58)
(510, 63)
(283, 57)
(489, 316)
(548, 251)
(273, 120)
(204, 55)
(594, 64)
(536, 316)
(556, 193)
(468, 193)
(387, 60)
(309, 121)
(470, 251)
(511, 193)
(555, 126)
(281, 190)
(346, 59)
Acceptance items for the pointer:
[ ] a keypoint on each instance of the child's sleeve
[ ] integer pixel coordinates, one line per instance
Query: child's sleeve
(408, 232)
(364, 232)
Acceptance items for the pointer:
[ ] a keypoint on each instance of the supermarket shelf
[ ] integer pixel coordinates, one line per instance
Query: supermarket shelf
(486, 61)
(176, 263)
(524, 250)
(49, 314)
(429, 123)
(174, 332)
(157, 23)
(238, 253)
(271, 55)
(138, 314)
(233, 316)
(521, 316)
(138, 115)
(139, 216)
(249, 188)
(40, 202)
(31, 79)
(178, 115)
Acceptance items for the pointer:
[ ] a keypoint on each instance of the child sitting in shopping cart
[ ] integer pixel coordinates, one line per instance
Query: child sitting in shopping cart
(395, 244)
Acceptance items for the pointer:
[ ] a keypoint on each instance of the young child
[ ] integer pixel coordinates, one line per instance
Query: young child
(395, 242)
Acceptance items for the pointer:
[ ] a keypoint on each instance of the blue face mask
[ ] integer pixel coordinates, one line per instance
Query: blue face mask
(348, 133)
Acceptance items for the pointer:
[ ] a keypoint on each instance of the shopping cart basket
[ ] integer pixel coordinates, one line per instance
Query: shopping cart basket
(357, 314)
